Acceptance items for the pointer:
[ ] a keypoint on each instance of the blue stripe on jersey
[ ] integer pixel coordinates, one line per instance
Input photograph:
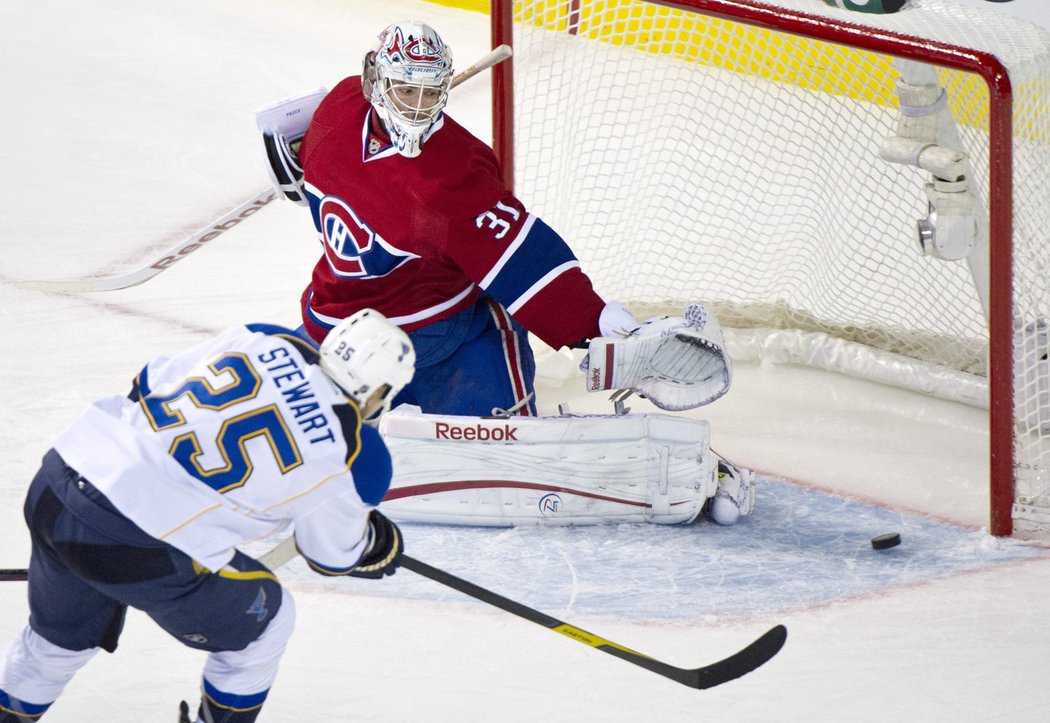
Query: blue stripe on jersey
(313, 197)
(372, 468)
(325, 570)
(303, 346)
(140, 386)
(541, 251)
(271, 329)
(318, 320)
(232, 700)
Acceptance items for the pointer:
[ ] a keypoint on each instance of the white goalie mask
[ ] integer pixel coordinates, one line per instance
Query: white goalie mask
(407, 77)
(369, 358)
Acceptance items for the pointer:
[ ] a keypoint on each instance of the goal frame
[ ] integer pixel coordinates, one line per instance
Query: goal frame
(1000, 204)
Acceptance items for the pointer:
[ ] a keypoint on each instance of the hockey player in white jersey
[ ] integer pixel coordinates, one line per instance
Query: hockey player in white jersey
(144, 500)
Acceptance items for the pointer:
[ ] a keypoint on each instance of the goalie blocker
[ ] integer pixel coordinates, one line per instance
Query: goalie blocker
(549, 470)
(283, 125)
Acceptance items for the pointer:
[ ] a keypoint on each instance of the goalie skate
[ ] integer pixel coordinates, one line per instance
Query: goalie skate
(735, 496)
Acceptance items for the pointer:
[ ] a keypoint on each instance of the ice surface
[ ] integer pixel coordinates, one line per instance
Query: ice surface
(128, 125)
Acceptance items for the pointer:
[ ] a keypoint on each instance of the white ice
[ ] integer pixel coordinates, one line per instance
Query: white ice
(127, 125)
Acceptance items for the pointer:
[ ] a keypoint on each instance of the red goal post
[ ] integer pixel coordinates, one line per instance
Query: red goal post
(748, 142)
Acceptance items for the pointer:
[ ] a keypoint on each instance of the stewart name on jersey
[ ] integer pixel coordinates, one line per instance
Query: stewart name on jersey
(228, 442)
(419, 238)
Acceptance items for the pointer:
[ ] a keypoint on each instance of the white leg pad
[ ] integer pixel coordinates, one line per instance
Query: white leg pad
(547, 470)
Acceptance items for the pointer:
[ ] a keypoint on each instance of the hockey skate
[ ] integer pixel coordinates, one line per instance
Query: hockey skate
(184, 713)
(735, 496)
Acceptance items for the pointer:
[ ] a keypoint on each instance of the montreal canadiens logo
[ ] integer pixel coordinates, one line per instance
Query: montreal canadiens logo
(422, 51)
(418, 50)
(351, 246)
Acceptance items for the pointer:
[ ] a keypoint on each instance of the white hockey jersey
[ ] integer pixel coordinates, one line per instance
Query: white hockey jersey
(229, 442)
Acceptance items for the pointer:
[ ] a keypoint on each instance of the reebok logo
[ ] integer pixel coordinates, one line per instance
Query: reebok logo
(212, 233)
(476, 432)
(596, 378)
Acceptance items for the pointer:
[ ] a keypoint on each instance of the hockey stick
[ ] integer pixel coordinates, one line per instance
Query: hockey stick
(279, 555)
(707, 676)
(225, 222)
(176, 253)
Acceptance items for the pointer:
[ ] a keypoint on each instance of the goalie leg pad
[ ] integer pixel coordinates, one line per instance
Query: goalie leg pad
(565, 470)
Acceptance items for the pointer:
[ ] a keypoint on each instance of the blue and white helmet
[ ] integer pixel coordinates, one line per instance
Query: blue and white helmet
(407, 77)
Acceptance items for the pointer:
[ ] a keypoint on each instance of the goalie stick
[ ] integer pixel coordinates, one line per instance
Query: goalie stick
(166, 258)
(225, 222)
(707, 676)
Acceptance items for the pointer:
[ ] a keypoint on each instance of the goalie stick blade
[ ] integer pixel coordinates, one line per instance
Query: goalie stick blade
(168, 257)
(753, 656)
(14, 575)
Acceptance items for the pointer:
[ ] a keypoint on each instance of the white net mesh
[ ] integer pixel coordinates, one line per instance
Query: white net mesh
(688, 157)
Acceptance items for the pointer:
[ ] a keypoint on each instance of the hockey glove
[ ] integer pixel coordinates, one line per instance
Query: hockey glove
(283, 125)
(286, 172)
(676, 363)
(383, 555)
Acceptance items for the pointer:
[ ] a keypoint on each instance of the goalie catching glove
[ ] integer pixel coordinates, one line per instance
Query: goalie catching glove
(675, 362)
(383, 554)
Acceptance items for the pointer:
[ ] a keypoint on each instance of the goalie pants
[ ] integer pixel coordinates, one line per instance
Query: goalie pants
(89, 563)
(475, 361)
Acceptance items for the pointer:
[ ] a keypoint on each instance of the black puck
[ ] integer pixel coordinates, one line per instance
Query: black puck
(882, 542)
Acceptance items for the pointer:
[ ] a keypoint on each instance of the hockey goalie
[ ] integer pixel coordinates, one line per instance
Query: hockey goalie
(468, 272)
(509, 470)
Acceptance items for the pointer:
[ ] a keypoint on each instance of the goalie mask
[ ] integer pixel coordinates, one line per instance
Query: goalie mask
(370, 359)
(407, 77)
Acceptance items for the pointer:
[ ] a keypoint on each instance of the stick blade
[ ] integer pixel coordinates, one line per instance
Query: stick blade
(68, 286)
(739, 664)
(95, 283)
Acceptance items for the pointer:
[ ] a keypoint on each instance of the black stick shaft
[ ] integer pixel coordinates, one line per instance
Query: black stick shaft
(740, 663)
(736, 665)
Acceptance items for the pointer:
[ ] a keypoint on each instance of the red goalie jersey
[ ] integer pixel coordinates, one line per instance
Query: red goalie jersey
(420, 238)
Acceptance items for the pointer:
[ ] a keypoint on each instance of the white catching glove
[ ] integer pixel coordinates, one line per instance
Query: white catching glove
(615, 321)
(677, 363)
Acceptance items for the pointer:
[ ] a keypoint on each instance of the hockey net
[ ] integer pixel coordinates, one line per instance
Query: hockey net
(736, 152)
